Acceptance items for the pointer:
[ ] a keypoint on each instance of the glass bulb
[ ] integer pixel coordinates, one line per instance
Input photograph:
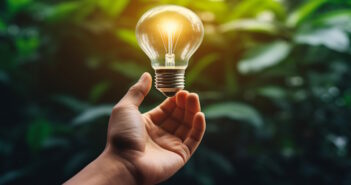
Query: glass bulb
(169, 35)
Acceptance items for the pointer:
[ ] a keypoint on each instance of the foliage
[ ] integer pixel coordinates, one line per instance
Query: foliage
(272, 77)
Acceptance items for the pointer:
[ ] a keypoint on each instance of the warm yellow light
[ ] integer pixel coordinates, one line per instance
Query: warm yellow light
(170, 27)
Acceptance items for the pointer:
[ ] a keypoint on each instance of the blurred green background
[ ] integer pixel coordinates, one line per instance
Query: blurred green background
(272, 75)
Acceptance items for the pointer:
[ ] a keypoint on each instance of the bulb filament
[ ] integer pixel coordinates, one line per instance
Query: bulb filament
(170, 33)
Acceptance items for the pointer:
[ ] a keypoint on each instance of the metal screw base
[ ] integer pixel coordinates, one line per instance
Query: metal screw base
(169, 81)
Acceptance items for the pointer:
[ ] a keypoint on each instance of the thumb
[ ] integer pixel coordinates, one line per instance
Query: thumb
(138, 91)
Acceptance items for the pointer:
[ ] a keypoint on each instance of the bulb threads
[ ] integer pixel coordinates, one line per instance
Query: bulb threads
(169, 81)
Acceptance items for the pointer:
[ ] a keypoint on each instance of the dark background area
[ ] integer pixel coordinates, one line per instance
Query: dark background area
(273, 77)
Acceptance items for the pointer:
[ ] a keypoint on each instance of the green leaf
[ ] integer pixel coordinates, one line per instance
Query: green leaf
(17, 5)
(332, 38)
(53, 142)
(61, 11)
(129, 69)
(12, 176)
(3, 26)
(243, 8)
(127, 36)
(200, 66)
(221, 163)
(337, 18)
(305, 11)
(277, 7)
(98, 90)
(250, 25)
(113, 7)
(264, 56)
(230, 77)
(272, 92)
(86, 9)
(27, 46)
(235, 111)
(217, 7)
(71, 102)
(92, 114)
(37, 133)
(251, 8)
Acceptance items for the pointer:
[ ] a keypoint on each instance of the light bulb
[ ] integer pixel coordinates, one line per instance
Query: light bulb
(169, 35)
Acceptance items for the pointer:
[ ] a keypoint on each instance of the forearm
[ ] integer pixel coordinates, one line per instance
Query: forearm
(104, 170)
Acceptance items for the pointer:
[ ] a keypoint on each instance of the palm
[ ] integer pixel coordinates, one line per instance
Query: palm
(167, 138)
(170, 140)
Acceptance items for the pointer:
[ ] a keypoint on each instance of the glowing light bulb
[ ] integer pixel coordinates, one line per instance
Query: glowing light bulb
(169, 35)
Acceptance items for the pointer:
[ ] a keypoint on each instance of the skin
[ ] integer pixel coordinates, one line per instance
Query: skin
(146, 148)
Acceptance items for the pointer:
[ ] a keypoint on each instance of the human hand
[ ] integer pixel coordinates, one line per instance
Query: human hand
(146, 148)
(156, 144)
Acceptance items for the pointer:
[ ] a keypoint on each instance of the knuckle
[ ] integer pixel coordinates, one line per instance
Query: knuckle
(117, 108)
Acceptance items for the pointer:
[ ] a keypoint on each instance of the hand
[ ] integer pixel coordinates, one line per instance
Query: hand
(158, 143)
(146, 148)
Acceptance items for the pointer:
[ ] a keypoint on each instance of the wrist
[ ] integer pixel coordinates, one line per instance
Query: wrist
(107, 169)
(117, 169)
